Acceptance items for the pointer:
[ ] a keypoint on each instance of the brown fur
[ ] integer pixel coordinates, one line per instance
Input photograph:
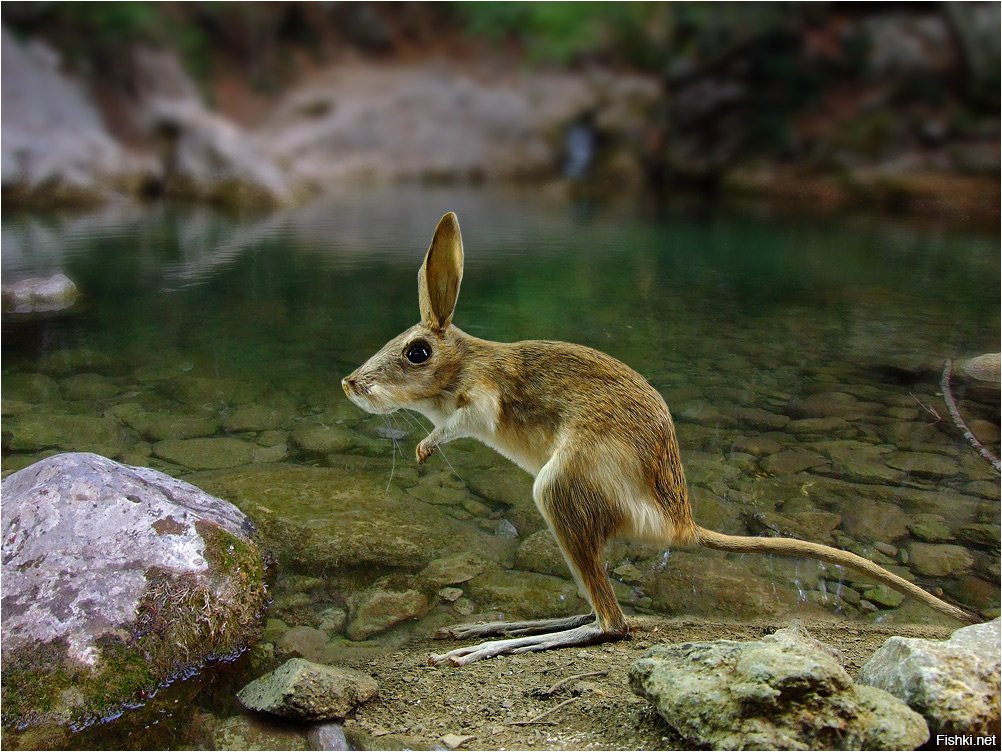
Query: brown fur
(597, 436)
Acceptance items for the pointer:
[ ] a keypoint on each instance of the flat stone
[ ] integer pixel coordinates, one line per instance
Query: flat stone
(452, 570)
(30, 387)
(318, 439)
(884, 596)
(374, 611)
(328, 737)
(247, 732)
(820, 426)
(931, 529)
(255, 418)
(953, 683)
(792, 461)
(526, 594)
(35, 431)
(760, 419)
(939, 560)
(89, 386)
(924, 464)
(161, 426)
(873, 520)
(308, 691)
(302, 642)
(539, 552)
(205, 454)
(981, 534)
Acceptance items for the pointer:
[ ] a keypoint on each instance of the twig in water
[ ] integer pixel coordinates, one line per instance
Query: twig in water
(538, 718)
(924, 406)
(951, 405)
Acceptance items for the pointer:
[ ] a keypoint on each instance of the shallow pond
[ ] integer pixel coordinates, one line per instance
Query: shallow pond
(801, 358)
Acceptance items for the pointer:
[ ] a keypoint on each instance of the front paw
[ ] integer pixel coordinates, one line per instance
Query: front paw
(425, 450)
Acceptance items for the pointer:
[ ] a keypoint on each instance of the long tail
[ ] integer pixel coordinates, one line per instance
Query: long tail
(793, 547)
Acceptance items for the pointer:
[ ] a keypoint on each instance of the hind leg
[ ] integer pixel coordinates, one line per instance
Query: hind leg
(582, 519)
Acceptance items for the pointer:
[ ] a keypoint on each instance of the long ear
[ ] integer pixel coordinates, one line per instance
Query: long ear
(441, 274)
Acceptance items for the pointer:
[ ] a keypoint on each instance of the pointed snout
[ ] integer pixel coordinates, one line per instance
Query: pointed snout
(348, 384)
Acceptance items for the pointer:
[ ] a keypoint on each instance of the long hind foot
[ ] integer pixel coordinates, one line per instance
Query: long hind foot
(588, 634)
(512, 628)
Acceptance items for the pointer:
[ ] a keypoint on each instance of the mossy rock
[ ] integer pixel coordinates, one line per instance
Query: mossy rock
(116, 580)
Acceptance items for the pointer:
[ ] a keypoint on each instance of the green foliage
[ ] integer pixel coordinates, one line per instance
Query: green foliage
(557, 32)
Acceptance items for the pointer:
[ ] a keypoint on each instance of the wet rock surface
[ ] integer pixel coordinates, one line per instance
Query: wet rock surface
(307, 691)
(953, 683)
(784, 691)
(115, 580)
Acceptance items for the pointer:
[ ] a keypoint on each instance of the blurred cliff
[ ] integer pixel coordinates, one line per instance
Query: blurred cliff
(260, 104)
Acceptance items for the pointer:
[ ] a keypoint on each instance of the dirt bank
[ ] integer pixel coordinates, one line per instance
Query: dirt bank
(419, 704)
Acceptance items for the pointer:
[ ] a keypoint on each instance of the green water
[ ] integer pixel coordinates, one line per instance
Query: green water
(800, 357)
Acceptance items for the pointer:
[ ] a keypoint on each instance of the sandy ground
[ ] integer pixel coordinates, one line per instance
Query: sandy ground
(419, 704)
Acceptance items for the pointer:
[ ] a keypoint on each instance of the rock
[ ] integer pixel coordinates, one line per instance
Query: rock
(247, 732)
(455, 741)
(159, 426)
(953, 683)
(785, 691)
(450, 594)
(924, 464)
(37, 430)
(505, 529)
(204, 392)
(884, 596)
(452, 570)
(88, 386)
(39, 294)
(539, 552)
(760, 419)
(982, 368)
(981, 534)
(308, 691)
(873, 520)
(820, 426)
(116, 579)
(30, 387)
(255, 418)
(830, 405)
(207, 157)
(791, 461)
(374, 611)
(303, 642)
(56, 150)
(205, 454)
(327, 737)
(526, 594)
(939, 560)
(930, 528)
(321, 440)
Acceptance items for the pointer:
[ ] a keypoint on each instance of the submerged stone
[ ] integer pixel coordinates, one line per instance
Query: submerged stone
(526, 594)
(159, 426)
(309, 691)
(89, 386)
(939, 560)
(539, 552)
(116, 579)
(785, 691)
(205, 454)
(374, 611)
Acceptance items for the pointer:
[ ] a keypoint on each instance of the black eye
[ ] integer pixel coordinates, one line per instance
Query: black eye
(418, 352)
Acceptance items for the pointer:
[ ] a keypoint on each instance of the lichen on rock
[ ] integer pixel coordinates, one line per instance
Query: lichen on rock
(116, 580)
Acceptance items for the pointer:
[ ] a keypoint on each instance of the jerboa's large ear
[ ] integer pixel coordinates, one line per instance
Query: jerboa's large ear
(441, 273)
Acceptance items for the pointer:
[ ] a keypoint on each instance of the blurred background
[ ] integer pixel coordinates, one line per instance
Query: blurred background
(262, 104)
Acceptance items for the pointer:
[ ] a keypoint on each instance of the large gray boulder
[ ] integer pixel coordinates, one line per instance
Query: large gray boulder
(953, 683)
(785, 691)
(116, 579)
